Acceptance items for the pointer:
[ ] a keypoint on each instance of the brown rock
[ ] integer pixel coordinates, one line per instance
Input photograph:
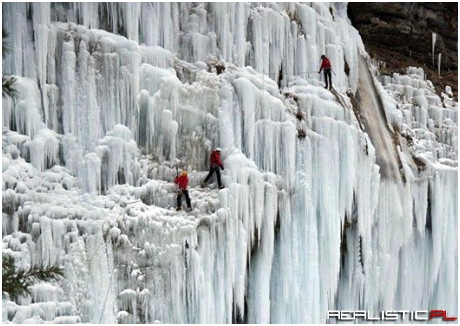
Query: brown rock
(401, 35)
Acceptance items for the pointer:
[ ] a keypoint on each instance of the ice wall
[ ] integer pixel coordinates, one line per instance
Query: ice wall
(115, 97)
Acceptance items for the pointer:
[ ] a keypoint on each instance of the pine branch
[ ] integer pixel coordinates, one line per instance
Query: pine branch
(16, 283)
(6, 49)
(8, 88)
(45, 273)
(12, 286)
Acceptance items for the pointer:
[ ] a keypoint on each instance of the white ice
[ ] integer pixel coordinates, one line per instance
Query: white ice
(116, 98)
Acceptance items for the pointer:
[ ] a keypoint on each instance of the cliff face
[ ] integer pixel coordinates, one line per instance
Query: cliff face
(401, 34)
(348, 196)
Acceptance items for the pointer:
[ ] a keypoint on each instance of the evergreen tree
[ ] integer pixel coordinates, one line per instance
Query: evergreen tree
(17, 282)
(8, 86)
(5, 45)
(8, 89)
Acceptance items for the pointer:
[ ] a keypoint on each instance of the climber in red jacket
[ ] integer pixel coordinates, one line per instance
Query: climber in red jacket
(326, 65)
(182, 182)
(216, 163)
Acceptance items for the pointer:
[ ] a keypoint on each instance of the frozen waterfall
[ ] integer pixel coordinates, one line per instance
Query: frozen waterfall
(343, 200)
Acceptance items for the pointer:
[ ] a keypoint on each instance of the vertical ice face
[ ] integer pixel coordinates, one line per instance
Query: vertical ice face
(328, 203)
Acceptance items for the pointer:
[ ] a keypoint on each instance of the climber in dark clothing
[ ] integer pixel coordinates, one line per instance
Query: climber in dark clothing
(326, 65)
(216, 163)
(182, 183)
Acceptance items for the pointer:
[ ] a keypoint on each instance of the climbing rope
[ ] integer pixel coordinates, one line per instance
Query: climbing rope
(106, 296)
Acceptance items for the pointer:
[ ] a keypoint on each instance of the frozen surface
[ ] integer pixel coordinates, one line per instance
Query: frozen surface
(332, 200)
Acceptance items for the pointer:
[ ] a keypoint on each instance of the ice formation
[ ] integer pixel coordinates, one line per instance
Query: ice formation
(333, 200)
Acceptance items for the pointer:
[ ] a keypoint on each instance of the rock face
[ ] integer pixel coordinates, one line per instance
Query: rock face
(401, 34)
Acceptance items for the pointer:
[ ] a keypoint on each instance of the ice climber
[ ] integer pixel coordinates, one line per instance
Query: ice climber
(326, 65)
(216, 163)
(182, 182)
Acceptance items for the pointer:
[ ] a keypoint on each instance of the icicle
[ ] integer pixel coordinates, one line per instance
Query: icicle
(44, 150)
(433, 45)
(69, 61)
(132, 12)
(439, 64)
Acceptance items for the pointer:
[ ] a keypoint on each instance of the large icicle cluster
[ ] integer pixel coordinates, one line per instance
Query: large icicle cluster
(115, 98)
